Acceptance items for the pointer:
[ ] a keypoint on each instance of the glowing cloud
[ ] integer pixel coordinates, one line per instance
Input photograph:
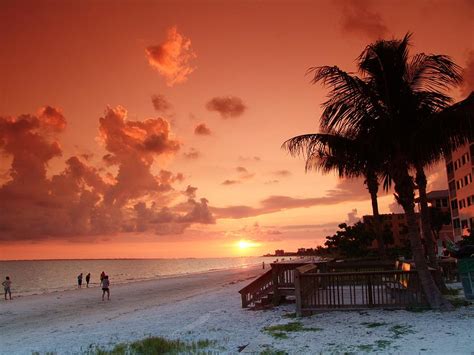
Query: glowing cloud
(171, 58)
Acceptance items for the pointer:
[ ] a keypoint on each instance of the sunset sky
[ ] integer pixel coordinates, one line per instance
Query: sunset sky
(153, 128)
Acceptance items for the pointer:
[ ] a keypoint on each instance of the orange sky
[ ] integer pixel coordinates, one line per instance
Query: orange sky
(85, 177)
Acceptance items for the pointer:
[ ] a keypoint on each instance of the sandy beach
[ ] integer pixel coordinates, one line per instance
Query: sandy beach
(207, 306)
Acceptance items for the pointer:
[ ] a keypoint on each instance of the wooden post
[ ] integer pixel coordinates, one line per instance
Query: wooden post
(244, 300)
(276, 291)
(298, 292)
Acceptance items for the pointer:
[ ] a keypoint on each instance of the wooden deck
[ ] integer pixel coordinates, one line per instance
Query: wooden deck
(327, 285)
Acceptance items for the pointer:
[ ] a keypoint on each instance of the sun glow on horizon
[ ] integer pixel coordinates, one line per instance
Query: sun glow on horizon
(246, 244)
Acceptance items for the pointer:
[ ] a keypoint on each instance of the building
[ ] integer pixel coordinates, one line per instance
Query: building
(440, 199)
(459, 168)
(396, 223)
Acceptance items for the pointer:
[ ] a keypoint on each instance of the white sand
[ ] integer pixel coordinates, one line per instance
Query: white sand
(207, 306)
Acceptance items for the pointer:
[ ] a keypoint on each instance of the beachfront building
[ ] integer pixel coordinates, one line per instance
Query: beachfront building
(396, 223)
(459, 168)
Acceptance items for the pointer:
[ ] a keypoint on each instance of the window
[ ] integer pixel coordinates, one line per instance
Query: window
(458, 185)
(452, 186)
(449, 168)
(456, 223)
(466, 180)
(445, 202)
(456, 165)
(454, 204)
(463, 159)
(461, 204)
(464, 223)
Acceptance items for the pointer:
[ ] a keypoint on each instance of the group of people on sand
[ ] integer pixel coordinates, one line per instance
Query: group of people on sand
(104, 283)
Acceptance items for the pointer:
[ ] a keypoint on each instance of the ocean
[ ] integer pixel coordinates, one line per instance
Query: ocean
(31, 277)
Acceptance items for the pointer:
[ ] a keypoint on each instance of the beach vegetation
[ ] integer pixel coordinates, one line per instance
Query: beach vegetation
(279, 331)
(398, 330)
(156, 345)
(373, 324)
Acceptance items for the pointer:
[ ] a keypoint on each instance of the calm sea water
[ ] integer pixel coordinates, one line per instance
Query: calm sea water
(44, 276)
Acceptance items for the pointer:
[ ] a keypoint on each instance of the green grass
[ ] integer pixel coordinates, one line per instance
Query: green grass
(373, 324)
(290, 315)
(399, 330)
(279, 331)
(155, 345)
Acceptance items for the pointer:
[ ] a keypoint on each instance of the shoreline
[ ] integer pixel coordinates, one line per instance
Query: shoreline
(95, 284)
(207, 306)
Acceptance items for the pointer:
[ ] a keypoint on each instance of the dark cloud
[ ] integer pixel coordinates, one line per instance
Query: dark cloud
(359, 18)
(282, 173)
(346, 190)
(82, 201)
(192, 154)
(172, 57)
(227, 106)
(468, 74)
(190, 191)
(160, 103)
(202, 130)
(230, 182)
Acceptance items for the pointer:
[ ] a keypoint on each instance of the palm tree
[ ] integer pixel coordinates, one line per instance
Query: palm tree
(350, 158)
(391, 98)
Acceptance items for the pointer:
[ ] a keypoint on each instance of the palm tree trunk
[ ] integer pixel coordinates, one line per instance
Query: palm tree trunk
(426, 227)
(373, 187)
(404, 187)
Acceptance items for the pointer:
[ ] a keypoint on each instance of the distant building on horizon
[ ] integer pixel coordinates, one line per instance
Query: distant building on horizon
(459, 168)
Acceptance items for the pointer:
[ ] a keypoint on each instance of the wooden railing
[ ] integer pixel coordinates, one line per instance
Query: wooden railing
(356, 290)
(257, 289)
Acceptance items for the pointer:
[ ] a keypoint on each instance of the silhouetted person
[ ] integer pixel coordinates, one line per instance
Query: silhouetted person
(7, 287)
(79, 280)
(88, 279)
(105, 287)
(102, 275)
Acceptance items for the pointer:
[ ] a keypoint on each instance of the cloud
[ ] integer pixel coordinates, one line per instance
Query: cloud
(394, 207)
(468, 75)
(172, 57)
(83, 202)
(352, 217)
(202, 130)
(160, 103)
(346, 190)
(282, 173)
(192, 154)
(360, 19)
(247, 159)
(230, 182)
(190, 191)
(227, 106)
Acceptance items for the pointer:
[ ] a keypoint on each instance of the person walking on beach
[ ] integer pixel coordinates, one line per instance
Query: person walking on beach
(7, 287)
(105, 287)
(88, 278)
(102, 275)
(79, 280)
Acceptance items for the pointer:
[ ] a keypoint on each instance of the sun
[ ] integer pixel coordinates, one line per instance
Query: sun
(245, 244)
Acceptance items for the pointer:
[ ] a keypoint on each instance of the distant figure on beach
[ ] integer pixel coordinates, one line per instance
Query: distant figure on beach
(7, 287)
(263, 265)
(88, 279)
(105, 287)
(79, 280)
(102, 275)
